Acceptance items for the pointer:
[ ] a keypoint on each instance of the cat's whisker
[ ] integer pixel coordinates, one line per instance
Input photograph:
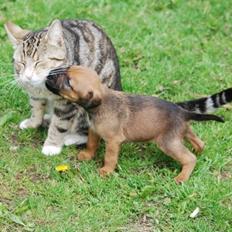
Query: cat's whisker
(7, 85)
(5, 82)
(10, 87)
(5, 75)
(58, 70)
(9, 64)
(57, 73)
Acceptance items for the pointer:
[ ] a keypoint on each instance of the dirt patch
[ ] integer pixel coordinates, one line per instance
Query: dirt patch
(225, 173)
(22, 192)
(143, 224)
(6, 194)
(32, 174)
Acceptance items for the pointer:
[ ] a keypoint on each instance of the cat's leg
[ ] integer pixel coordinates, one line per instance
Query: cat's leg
(78, 133)
(56, 133)
(37, 109)
(49, 112)
(61, 121)
(77, 139)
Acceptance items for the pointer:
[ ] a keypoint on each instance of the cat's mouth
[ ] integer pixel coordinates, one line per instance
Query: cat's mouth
(38, 83)
(33, 82)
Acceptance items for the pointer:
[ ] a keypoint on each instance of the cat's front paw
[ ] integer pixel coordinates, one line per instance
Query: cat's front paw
(28, 123)
(50, 150)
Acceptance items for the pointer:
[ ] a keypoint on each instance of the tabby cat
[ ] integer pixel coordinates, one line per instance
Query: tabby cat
(62, 44)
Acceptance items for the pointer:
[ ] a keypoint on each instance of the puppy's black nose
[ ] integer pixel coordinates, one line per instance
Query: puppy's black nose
(56, 80)
(51, 86)
(50, 76)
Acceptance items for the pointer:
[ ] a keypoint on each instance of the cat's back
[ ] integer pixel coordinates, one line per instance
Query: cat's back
(89, 45)
(76, 25)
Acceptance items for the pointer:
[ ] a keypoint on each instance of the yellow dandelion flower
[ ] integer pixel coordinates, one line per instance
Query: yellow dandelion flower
(62, 168)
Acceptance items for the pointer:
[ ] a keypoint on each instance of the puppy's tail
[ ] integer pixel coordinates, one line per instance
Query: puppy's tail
(203, 117)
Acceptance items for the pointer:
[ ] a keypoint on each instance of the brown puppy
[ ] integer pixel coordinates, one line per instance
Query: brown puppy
(118, 117)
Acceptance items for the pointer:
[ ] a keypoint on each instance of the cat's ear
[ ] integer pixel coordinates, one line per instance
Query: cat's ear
(15, 33)
(55, 34)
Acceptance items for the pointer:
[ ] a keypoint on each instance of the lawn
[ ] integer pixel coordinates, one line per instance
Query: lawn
(177, 50)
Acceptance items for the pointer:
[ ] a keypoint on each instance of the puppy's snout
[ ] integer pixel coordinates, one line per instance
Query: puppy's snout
(50, 86)
(51, 77)
(53, 83)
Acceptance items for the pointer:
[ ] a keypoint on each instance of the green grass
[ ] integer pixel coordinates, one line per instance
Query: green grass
(175, 49)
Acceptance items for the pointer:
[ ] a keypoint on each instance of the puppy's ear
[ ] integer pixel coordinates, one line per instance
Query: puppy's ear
(90, 100)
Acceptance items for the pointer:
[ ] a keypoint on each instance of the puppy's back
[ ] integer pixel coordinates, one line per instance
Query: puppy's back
(151, 116)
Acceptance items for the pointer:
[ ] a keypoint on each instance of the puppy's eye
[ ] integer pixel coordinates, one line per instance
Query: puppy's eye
(67, 84)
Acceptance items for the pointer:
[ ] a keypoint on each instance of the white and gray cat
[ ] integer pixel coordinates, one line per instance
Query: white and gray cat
(61, 44)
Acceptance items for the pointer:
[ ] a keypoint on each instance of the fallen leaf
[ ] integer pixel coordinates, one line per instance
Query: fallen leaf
(195, 213)
(16, 219)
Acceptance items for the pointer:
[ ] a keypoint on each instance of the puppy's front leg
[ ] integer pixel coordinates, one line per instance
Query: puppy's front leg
(92, 145)
(111, 157)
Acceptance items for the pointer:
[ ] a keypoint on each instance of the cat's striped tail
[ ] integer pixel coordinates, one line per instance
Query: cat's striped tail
(208, 104)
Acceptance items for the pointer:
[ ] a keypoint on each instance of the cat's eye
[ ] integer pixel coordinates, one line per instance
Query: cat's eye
(19, 65)
(37, 63)
(56, 59)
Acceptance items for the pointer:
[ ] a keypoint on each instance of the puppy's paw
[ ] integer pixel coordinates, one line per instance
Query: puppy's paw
(50, 150)
(200, 147)
(104, 171)
(180, 179)
(28, 123)
(84, 155)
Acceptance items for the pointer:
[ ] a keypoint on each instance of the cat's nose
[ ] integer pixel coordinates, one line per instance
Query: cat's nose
(28, 74)
(28, 77)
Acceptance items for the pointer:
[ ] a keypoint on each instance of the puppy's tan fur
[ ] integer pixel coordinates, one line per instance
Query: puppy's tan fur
(117, 117)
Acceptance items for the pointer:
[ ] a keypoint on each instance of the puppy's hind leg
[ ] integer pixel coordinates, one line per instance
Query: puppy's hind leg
(196, 142)
(175, 149)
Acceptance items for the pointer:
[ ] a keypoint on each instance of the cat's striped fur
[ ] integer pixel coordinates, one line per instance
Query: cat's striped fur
(62, 44)
(208, 104)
